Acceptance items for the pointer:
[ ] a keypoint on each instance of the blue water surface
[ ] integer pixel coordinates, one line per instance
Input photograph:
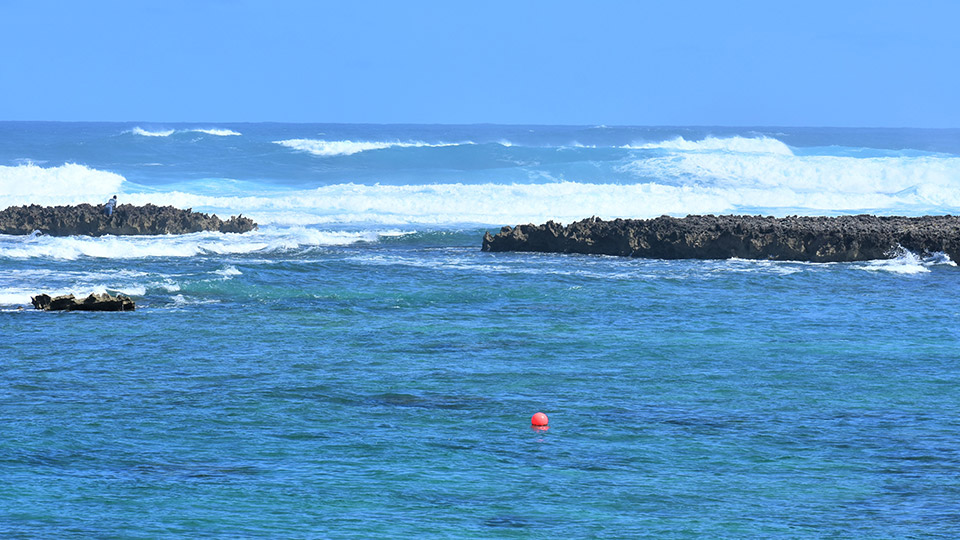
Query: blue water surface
(384, 390)
(359, 368)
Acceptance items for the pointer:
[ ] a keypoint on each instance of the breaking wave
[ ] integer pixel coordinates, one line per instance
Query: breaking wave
(187, 245)
(498, 204)
(146, 133)
(66, 184)
(711, 176)
(229, 271)
(752, 145)
(218, 132)
(907, 262)
(440, 204)
(324, 148)
(928, 177)
(167, 132)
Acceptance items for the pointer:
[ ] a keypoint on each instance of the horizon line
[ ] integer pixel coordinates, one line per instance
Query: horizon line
(467, 124)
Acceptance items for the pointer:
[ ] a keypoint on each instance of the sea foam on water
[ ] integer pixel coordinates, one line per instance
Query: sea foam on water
(675, 176)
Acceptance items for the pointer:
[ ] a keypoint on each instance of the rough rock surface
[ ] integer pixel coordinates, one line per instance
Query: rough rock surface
(817, 239)
(89, 220)
(94, 302)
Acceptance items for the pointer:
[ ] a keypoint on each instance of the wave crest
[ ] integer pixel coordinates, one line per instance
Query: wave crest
(441, 204)
(67, 184)
(737, 144)
(926, 177)
(319, 147)
(146, 133)
(218, 132)
(908, 262)
(176, 246)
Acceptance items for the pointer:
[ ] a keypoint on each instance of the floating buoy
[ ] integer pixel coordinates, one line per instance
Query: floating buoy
(539, 421)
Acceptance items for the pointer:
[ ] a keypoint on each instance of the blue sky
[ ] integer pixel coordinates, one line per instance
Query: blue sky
(749, 63)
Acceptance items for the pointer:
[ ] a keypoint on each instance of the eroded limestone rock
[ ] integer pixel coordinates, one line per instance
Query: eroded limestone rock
(816, 239)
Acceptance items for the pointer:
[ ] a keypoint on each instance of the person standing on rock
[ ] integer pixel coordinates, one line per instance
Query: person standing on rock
(111, 204)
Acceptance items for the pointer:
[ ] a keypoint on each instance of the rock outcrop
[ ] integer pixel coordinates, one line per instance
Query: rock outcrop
(816, 239)
(89, 220)
(94, 302)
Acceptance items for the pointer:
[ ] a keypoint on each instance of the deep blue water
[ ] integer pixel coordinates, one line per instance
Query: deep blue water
(358, 368)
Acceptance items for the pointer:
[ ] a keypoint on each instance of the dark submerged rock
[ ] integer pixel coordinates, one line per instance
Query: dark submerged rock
(89, 220)
(94, 302)
(794, 238)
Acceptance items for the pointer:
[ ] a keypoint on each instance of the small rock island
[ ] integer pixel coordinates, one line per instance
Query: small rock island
(93, 302)
(794, 238)
(90, 220)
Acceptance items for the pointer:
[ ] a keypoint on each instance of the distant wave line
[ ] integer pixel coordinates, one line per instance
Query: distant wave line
(325, 148)
(736, 144)
(219, 132)
(187, 245)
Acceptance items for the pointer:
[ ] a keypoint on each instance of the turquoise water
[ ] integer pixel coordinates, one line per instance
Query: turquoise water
(335, 375)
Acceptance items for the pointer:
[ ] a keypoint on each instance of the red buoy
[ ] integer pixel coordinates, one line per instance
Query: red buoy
(539, 420)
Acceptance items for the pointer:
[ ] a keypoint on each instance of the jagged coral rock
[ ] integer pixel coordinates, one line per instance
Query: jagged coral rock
(93, 302)
(89, 220)
(794, 238)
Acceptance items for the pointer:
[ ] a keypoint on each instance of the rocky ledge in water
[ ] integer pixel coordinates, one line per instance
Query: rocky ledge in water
(815, 239)
(89, 220)
(94, 302)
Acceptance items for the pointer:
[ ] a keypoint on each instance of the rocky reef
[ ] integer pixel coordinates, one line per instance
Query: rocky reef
(89, 220)
(94, 302)
(815, 239)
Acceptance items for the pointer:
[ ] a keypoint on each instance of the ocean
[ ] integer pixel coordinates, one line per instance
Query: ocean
(358, 368)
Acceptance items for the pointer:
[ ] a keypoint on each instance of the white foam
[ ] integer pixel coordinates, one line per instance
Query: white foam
(752, 145)
(674, 182)
(180, 301)
(324, 148)
(43, 274)
(866, 175)
(233, 248)
(498, 204)
(938, 258)
(450, 203)
(169, 285)
(146, 133)
(712, 175)
(228, 271)
(107, 247)
(66, 184)
(767, 163)
(15, 296)
(132, 290)
(756, 266)
(218, 132)
(113, 274)
(173, 246)
(907, 262)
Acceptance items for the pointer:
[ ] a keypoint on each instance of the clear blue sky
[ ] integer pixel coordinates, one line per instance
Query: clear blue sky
(800, 63)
